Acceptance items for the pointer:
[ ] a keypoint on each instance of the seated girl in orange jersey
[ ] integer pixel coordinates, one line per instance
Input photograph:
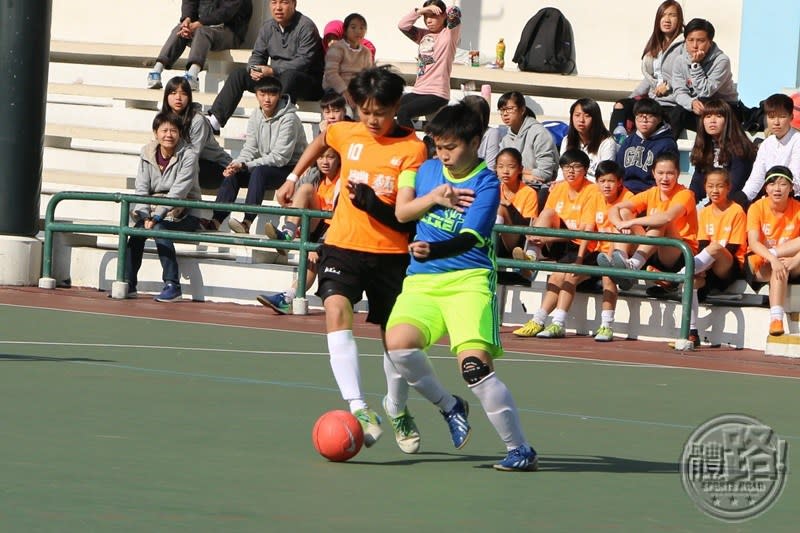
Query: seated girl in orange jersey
(519, 204)
(722, 240)
(567, 207)
(319, 195)
(773, 233)
(666, 210)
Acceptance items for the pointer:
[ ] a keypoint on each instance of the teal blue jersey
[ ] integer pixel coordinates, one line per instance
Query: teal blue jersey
(442, 223)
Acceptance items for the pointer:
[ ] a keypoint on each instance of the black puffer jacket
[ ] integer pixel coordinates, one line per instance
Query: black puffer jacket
(233, 13)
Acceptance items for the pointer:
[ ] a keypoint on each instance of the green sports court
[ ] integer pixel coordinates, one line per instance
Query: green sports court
(120, 418)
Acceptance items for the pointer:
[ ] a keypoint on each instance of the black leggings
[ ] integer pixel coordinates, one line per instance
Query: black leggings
(415, 105)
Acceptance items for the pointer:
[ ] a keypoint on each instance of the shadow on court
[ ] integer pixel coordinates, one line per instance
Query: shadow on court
(604, 463)
(28, 358)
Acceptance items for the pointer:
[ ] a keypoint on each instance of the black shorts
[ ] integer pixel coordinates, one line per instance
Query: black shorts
(714, 282)
(654, 262)
(350, 273)
(562, 251)
(516, 220)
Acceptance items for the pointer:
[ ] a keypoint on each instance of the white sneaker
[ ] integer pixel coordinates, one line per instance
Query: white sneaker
(154, 80)
(194, 82)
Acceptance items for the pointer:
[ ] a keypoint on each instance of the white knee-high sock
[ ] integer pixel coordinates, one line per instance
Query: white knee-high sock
(396, 388)
(414, 366)
(499, 405)
(344, 363)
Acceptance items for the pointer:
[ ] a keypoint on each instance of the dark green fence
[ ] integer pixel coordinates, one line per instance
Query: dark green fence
(123, 230)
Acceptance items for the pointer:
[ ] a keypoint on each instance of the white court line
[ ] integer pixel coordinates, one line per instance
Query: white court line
(552, 358)
(321, 354)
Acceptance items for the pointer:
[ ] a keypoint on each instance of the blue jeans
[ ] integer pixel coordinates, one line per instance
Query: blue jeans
(258, 181)
(166, 251)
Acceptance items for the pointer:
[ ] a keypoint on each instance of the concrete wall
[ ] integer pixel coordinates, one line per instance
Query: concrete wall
(609, 35)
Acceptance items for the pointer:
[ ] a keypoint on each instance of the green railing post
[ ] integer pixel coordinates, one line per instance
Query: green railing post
(122, 238)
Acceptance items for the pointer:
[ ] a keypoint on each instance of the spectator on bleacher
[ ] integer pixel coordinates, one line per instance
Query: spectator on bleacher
(666, 210)
(781, 147)
(168, 168)
(320, 196)
(436, 53)
(773, 233)
(568, 207)
(347, 57)
(334, 109)
(519, 204)
(205, 26)
(701, 72)
(588, 133)
(612, 192)
(334, 31)
(651, 139)
(722, 241)
(721, 143)
(275, 140)
(531, 138)
(490, 142)
(289, 48)
(212, 158)
(658, 57)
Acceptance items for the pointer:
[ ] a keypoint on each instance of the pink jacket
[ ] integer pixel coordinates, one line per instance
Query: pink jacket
(436, 52)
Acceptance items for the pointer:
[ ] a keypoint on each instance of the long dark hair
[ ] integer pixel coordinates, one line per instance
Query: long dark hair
(658, 41)
(598, 132)
(187, 115)
(732, 143)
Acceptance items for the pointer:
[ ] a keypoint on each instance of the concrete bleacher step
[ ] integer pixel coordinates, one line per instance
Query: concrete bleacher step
(118, 182)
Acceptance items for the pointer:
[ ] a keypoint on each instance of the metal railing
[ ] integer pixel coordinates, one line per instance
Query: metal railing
(687, 278)
(123, 230)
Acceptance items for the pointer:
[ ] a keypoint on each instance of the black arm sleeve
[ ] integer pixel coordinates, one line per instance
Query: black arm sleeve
(366, 200)
(455, 246)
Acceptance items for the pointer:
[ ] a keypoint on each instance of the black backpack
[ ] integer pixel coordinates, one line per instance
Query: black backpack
(546, 44)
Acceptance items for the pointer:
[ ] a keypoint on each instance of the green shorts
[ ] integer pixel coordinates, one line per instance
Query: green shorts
(461, 304)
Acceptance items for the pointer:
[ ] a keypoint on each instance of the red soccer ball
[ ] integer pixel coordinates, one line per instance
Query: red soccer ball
(337, 435)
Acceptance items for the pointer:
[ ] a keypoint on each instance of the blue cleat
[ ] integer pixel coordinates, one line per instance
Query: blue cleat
(456, 420)
(522, 459)
(277, 302)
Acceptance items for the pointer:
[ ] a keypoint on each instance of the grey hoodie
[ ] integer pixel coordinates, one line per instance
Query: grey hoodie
(179, 180)
(204, 143)
(648, 84)
(712, 78)
(538, 149)
(277, 141)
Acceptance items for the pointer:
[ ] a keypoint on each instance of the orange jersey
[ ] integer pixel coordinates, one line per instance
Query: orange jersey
(379, 162)
(326, 194)
(598, 211)
(774, 228)
(525, 200)
(650, 203)
(725, 227)
(573, 212)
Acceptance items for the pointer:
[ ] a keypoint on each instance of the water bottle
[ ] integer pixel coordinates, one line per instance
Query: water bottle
(620, 133)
